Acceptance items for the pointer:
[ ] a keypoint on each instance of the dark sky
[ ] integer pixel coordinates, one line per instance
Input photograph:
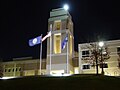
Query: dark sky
(22, 20)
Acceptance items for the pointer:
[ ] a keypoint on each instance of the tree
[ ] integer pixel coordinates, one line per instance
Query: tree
(98, 55)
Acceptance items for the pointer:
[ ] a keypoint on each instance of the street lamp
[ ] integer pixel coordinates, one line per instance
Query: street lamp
(101, 44)
(66, 7)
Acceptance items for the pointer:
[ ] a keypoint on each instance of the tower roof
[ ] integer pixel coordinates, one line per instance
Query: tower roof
(58, 14)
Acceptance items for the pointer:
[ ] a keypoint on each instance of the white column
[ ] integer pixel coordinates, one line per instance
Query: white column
(14, 69)
(80, 56)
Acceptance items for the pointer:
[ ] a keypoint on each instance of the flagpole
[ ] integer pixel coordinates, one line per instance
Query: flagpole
(50, 46)
(67, 59)
(50, 51)
(40, 55)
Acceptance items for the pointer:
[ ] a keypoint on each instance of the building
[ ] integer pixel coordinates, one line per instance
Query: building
(60, 51)
(111, 65)
(61, 58)
(81, 63)
(59, 55)
(23, 67)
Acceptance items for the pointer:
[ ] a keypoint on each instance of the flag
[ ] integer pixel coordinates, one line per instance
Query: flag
(48, 35)
(35, 41)
(64, 42)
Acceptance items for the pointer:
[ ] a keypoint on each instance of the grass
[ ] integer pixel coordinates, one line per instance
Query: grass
(75, 82)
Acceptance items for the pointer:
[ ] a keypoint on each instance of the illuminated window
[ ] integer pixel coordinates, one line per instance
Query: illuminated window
(57, 43)
(76, 70)
(70, 44)
(58, 25)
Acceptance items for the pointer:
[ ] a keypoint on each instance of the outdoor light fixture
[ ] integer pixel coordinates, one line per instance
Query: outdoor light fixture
(58, 75)
(66, 7)
(101, 44)
(5, 78)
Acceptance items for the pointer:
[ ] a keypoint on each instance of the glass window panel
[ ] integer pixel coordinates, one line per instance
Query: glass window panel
(85, 53)
(58, 25)
(57, 43)
(71, 44)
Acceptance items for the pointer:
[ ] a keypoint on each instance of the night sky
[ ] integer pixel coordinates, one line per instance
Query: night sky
(22, 20)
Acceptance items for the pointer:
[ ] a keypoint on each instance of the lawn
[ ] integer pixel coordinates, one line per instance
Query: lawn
(74, 82)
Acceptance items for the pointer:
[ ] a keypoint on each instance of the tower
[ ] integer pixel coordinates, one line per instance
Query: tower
(59, 60)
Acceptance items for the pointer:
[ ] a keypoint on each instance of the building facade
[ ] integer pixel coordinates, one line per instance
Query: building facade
(82, 62)
(23, 67)
(111, 65)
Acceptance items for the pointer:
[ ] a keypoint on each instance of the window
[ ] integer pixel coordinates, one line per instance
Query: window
(71, 44)
(85, 53)
(118, 64)
(9, 70)
(57, 43)
(105, 65)
(19, 69)
(58, 25)
(118, 50)
(13, 69)
(86, 66)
